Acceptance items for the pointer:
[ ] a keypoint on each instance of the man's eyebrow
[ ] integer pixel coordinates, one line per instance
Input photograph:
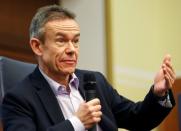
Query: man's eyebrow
(60, 34)
(63, 34)
(77, 35)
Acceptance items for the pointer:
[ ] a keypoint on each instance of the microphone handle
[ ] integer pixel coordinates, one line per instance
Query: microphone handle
(91, 94)
(93, 128)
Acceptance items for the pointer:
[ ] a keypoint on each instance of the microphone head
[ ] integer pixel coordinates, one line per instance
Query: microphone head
(89, 81)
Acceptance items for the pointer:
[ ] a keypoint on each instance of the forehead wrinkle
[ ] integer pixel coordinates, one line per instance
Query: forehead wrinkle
(58, 31)
(63, 26)
(64, 34)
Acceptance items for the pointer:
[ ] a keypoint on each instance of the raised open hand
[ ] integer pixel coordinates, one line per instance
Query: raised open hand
(165, 77)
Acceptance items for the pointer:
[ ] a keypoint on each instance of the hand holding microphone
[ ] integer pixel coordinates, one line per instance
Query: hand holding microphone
(89, 112)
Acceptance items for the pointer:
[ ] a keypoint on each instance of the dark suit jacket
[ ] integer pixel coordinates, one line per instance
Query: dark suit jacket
(32, 106)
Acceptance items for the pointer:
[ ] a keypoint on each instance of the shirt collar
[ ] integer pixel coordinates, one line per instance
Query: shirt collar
(56, 87)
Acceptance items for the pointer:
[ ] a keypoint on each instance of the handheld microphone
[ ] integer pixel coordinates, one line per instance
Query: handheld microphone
(90, 90)
(89, 86)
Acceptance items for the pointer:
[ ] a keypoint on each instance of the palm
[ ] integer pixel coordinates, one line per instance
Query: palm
(160, 82)
(165, 78)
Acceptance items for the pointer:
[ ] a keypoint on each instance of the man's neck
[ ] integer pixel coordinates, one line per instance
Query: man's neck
(62, 79)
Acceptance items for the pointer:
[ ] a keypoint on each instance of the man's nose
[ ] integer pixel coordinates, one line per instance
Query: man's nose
(70, 47)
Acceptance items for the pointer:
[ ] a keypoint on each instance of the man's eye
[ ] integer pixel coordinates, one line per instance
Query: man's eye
(61, 40)
(76, 41)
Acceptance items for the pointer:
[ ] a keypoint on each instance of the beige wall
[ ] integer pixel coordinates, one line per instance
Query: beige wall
(90, 16)
(142, 32)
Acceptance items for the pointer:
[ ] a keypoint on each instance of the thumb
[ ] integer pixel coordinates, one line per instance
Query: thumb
(167, 58)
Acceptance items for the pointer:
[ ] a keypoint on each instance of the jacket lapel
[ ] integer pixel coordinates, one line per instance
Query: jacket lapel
(81, 84)
(47, 97)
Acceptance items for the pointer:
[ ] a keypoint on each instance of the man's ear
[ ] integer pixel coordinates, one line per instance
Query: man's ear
(36, 46)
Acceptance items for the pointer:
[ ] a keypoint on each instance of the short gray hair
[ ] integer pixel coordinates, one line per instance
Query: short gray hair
(44, 15)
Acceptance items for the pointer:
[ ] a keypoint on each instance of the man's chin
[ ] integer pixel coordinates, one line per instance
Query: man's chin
(69, 71)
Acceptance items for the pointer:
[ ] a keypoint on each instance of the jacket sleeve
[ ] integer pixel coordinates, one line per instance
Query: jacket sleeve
(135, 116)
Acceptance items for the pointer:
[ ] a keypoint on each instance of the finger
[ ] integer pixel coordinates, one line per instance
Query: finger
(89, 119)
(168, 70)
(95, 108)
(97, 114)
(94, 102)
(168, 81)
(169, 75)
(169, 65)
(96, 119)
(93, 120)
(90, 110)
(93, 114)
(167, 57)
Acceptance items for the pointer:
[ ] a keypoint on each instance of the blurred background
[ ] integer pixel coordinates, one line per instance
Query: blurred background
(126, 40)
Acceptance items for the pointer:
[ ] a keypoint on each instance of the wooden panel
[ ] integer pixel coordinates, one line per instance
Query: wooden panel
(171, 123)
(15, 18)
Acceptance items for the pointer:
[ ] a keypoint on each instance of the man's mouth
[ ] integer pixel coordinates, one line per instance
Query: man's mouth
(69, 61)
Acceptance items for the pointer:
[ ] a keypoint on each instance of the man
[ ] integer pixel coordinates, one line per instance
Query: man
(52, 97)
